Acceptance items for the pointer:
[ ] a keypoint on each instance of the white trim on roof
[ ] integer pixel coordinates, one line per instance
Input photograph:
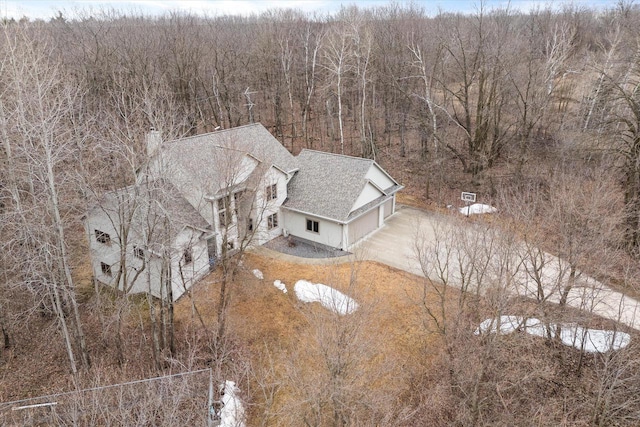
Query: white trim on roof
(366, 192)
(385, 172)
(368, 181)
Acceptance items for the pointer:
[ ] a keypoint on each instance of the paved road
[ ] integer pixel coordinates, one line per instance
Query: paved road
(453, 250)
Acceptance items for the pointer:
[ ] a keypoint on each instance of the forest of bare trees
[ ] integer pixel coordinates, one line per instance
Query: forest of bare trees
(536, 111)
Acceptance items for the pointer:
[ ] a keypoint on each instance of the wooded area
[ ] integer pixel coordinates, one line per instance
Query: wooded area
(537, 112)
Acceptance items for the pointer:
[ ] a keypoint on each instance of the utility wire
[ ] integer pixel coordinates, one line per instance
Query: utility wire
(3, 405)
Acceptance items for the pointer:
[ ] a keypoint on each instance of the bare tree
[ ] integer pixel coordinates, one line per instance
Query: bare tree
(312, 43)
(625, 115)
(40, 105)
(338, 63)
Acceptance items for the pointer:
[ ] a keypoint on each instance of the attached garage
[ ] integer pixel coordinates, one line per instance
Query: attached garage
(388, 208)
(347, 197)
(363, 225)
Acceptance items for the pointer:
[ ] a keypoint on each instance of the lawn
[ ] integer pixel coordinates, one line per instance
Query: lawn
(299, 343)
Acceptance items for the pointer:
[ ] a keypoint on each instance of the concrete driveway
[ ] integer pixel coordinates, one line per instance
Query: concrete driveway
(394, 243)
(454, 250)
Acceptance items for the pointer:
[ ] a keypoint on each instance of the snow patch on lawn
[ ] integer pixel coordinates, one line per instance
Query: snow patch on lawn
(258, 274)
(330, 298)
(232, 412)
(591, 340)
(278, 284)
(477, 209)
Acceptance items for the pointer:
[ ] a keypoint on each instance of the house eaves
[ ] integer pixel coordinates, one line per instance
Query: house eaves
(372, 204)
(315, 215)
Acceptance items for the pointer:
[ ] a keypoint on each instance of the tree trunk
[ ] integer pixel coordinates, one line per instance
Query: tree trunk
(63, 259)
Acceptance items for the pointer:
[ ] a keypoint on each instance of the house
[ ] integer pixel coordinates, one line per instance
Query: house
(201, 198)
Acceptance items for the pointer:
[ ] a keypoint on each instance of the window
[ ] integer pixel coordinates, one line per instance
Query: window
(272, 192)
(313, 226)
(238, 198)
(187, 255)
(272, 221)
(106, 269)
(230, 245)
(223, 204)
(103, 237)
(138, 252)
(222, 216)
(249, 224)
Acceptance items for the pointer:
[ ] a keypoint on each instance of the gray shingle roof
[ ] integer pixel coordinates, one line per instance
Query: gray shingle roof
(156, 201)
(202, 166)
(327, 185)
(253, 139)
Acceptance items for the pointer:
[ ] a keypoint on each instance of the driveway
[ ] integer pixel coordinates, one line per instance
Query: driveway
(454, 250)
(394, 243)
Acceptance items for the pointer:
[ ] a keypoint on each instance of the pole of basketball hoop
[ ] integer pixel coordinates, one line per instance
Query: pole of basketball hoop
(468, 198)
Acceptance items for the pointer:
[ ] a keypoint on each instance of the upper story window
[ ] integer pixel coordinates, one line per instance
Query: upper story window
(272, 192)
(223, 211)
(187, 255)
(238, 198)
(103, 237)
(138, 252)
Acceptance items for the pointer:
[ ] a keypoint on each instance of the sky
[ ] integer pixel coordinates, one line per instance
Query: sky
(46, 9)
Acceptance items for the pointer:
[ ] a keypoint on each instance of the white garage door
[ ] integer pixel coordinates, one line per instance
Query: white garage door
(388, 207)
(363, 226)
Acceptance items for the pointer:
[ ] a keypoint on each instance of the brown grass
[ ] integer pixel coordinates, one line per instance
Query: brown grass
(272, 323)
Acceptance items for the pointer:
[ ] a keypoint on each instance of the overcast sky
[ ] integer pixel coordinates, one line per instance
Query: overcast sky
(45, 9)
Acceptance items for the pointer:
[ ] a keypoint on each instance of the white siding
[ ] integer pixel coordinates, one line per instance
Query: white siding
(149, 280)
(368, 194)
(330, 233)
(378, 177)
(109, 253)
(196, 269)
(265, 208)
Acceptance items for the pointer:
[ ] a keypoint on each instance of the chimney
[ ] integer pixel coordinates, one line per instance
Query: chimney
(154, 141)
